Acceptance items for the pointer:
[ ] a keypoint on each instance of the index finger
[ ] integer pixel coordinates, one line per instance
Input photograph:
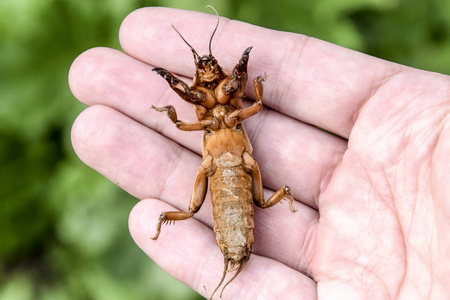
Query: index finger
(310, 80)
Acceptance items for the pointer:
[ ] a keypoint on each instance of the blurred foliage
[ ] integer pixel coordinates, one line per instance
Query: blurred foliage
(63, 226)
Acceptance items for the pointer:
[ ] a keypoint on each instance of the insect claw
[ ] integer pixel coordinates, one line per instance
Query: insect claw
(246, 54)
(165, 74)
(241, 67)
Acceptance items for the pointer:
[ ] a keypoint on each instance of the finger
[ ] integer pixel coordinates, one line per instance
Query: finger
(148, 165)
(311, 80)
(132, 156)
(191, 256)
(287, 151)
(109, 77)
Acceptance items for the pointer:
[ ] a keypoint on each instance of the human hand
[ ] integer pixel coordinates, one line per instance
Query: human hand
(372, 194)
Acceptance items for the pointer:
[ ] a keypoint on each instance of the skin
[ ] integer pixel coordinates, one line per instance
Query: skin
(372, 197)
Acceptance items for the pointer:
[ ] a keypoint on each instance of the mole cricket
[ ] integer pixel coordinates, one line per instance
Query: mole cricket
(234, 176)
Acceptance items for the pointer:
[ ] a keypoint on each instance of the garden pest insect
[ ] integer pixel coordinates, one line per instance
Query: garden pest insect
(234, 175)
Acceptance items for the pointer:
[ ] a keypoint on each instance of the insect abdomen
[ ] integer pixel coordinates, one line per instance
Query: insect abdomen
(231, 195)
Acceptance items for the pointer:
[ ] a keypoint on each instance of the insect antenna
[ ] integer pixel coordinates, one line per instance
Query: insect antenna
(215, 29)
(196, 56)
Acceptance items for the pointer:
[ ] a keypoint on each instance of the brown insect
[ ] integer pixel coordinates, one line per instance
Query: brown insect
(235, 179)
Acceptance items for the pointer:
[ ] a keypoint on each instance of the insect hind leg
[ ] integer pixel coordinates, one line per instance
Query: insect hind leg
(197, 197)
(284, 192)
(169, 217)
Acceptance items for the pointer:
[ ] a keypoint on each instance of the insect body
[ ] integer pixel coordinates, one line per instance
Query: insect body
(235, 180)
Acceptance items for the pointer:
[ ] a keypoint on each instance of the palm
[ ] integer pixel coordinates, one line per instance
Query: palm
(372, 211)
(378, 222)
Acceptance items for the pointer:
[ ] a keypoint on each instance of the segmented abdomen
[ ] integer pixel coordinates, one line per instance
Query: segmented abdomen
(231, 195)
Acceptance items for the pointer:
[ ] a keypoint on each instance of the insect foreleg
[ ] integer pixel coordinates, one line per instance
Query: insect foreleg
(197, 197)
(186, 93)
(241, 67)
(251, 166)
(236, 84)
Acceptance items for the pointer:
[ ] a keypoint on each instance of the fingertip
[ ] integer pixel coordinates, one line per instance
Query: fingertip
(98, 138)
(147, 35)
(74, 72)
(127, 32)
(139, 31)
(82, 132)
(84, 72)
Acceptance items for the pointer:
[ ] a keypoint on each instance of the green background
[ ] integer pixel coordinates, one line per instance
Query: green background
(63, 227)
